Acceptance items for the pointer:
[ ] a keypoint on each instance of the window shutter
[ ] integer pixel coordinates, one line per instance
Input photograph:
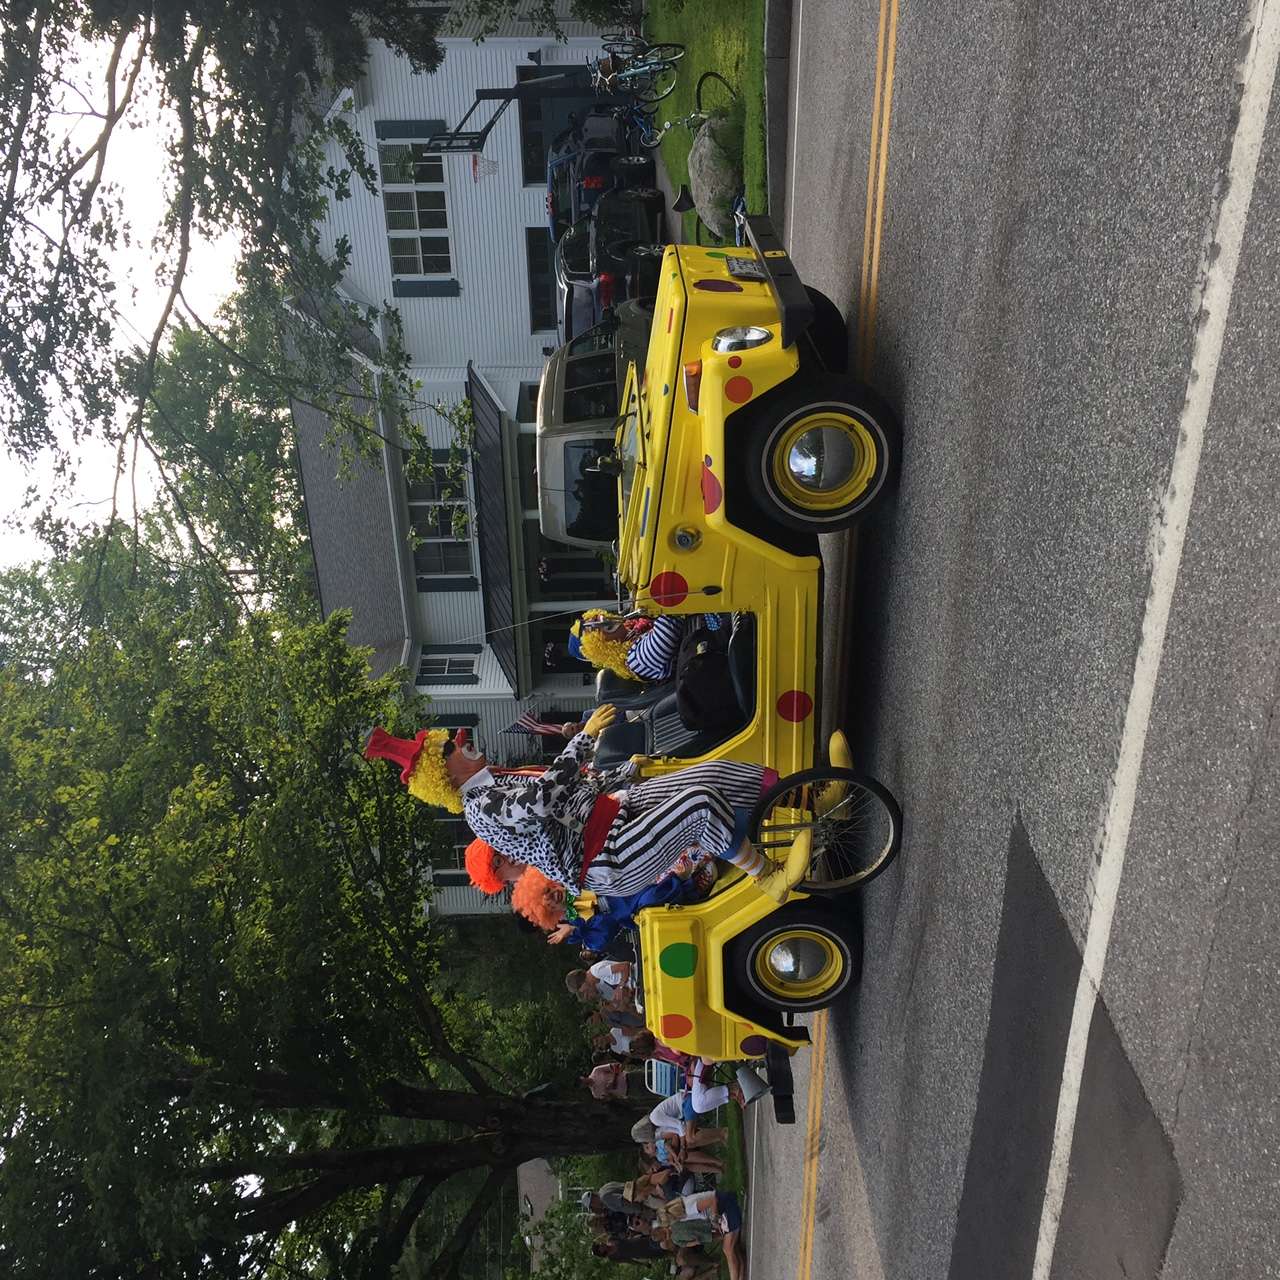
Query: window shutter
(455, 679)
(427, 583)
(452, 648)
(412, 130)
(425, 288)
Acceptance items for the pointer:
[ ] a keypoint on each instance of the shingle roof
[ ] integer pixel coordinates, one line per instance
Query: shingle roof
(361, 555)
(492, 526)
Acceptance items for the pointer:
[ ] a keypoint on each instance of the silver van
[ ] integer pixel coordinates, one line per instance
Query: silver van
(577, 412)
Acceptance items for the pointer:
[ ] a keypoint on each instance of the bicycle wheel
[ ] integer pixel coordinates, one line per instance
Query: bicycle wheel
(659, 84)
(626, 47)
(714, 93)
(663, 53)
(855, 822)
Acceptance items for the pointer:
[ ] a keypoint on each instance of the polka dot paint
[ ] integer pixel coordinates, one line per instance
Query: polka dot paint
(712, 489)
(675, 1026)
(795, 705)
(738, 389)
(669, 588)
(752, 1046)
(734, 362)
(717, 286)
(678, 959)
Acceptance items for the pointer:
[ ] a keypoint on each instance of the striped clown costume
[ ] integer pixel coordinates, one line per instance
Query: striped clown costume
(571, 827)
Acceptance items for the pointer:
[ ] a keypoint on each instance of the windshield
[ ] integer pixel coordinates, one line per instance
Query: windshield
(631, 446)
(590, 498)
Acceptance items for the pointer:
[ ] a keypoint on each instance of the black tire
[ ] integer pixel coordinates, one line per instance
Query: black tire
(625, 46)
(650, 197)
(854, 840)
(711, 86)
(863, 444)
(828, 335)
(831, 942)
(635, 171)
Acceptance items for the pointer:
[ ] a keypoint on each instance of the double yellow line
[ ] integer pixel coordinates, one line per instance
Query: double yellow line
(881, 111)
(868, 297)
(812, 1144)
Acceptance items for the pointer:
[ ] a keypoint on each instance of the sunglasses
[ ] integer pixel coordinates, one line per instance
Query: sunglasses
(449, 748)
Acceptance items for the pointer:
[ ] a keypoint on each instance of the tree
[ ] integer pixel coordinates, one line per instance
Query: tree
(228, 1045)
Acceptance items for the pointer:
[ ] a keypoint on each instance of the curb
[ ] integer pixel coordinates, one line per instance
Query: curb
(777, 83)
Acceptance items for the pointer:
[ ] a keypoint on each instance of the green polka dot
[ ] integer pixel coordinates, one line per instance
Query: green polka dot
(715, 253)
(678, 960)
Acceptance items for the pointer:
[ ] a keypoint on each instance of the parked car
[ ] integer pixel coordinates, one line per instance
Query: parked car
(577, 415)
(584, 162)
(607, 256)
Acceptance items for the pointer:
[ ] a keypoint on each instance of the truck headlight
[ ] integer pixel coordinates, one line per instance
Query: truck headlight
(740, 337)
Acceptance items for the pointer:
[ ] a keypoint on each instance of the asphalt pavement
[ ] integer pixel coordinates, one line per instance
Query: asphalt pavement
(1073, 694)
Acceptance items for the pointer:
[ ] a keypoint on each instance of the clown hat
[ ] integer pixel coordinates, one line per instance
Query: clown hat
(402, 751)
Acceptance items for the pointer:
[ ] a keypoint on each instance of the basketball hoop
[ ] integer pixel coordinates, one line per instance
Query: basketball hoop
(482, 166)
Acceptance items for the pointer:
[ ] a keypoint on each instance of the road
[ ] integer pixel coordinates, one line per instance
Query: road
(1062, 645)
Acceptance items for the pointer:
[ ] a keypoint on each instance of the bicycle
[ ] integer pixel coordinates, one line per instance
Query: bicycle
(650, 79)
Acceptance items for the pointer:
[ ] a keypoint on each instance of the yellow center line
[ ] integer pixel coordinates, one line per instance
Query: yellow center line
(812, 1146)
(877, 169)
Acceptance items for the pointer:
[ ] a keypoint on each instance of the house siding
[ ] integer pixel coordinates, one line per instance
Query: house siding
(489, 320)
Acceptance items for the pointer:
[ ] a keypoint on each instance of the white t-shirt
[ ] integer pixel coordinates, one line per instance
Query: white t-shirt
(668, 1115)
(606, 974)
(620, 1039)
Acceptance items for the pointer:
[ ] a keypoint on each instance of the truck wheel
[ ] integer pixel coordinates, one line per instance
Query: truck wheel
(821, 453)
(635, 171)
(797, 959)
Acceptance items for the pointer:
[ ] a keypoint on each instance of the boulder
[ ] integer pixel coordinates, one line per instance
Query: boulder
(715, 175)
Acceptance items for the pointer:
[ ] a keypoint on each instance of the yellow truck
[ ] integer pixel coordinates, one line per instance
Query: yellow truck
(735, 447)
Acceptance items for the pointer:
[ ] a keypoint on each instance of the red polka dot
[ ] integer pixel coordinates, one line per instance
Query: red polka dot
(795, 705)
(675, 1026)
(734, 361)
(712, 490)
(738, 389)
(669, 588)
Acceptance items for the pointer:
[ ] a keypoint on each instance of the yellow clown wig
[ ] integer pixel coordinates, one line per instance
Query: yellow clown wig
(599, 651)
(429, 781)
(422, 765)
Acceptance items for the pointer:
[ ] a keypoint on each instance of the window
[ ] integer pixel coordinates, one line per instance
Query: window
(527, 402)
(440, 523)
(445, 668)
(588, 370)
(440, 550)
(416, 209)
(591, 402)
(591, 497)
(598, 339)
(542, 282)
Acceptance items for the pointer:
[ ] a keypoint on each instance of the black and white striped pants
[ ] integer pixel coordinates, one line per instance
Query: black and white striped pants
(664, 816)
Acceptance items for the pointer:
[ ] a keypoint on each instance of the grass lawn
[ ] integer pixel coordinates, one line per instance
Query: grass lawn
(725, 36)
(734, 1177)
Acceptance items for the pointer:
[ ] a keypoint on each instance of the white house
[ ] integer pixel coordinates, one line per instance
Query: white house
(459, 244)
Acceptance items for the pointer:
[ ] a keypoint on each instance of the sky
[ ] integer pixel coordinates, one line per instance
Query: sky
(136, 166)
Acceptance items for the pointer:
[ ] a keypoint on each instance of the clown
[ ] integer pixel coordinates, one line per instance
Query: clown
(632, 648)
(573, 828)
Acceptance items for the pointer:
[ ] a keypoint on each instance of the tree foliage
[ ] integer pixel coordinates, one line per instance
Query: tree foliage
(229, 1045)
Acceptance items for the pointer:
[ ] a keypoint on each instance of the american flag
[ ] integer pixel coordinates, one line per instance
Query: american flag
(529, 723)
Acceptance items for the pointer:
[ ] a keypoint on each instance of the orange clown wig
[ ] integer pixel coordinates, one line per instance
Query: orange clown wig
(479, 861)
(538, 899)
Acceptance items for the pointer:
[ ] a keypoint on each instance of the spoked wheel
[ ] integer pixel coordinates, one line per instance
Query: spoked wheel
(663, 53)
(657, 81)
(626, 46)
(855, 822)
